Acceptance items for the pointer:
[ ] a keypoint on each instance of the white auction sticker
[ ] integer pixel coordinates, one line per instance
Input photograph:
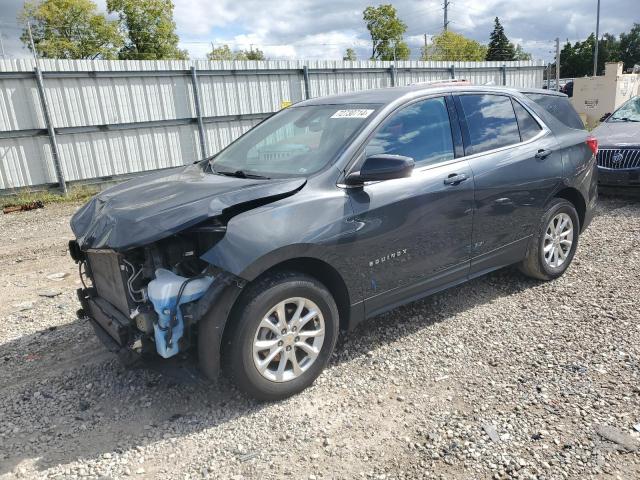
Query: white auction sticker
(353, 113)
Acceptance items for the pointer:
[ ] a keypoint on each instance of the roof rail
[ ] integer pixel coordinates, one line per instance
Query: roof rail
(443, 82)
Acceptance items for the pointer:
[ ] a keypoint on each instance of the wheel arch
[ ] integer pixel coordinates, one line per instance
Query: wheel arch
(574, 196)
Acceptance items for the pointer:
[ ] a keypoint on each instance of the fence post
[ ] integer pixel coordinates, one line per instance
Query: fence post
(307, 83)
(196, 101)
(50, 130)
(504, 74)
(393, 73)
(452, 70)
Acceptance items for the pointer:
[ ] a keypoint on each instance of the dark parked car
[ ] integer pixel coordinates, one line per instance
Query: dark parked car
(619, 154)
(330, 212)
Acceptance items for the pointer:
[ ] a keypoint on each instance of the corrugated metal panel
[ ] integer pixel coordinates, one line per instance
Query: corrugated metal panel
(152, 92)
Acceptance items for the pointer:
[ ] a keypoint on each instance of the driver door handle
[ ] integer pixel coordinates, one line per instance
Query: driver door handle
(455, 179)
(542, 154)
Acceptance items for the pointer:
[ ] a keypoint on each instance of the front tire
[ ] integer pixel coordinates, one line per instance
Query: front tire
(282, 337)
(552, 248)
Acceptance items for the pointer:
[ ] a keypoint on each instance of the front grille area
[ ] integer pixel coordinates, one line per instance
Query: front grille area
(109, 278)
(619, 158)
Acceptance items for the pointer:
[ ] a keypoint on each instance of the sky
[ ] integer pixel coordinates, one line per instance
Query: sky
(324, 29)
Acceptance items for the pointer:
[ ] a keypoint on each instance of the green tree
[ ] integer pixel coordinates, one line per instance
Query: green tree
(70, 29)
(225, 53)
(452, 46)
(630, 46)
(221, 53)
(500, 48)
(149, 29)
(386, 31)
(350, 54)
(608, 51)
(256, 54)
(520, 54)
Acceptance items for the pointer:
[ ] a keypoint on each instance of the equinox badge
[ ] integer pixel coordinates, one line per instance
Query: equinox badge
(390, 256)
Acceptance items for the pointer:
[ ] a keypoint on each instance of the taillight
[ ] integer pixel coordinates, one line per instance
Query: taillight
(593, 144)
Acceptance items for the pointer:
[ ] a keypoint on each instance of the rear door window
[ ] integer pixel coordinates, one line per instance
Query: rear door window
(559, 107)
(421, 131)
(491, 122)
(528, 125)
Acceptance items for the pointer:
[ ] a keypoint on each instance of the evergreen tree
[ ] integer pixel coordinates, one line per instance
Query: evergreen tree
(500, 48)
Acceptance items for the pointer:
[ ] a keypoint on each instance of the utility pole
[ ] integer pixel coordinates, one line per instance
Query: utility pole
(446, 15)
(1, 44)
(424, 53)
(33, 46)
(557, 64)
(595, 54)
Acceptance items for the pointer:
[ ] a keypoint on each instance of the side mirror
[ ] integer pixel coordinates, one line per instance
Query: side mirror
(605, 116)
(381, 167)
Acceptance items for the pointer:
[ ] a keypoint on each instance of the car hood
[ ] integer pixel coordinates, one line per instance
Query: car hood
(155, 206)
(617, 134)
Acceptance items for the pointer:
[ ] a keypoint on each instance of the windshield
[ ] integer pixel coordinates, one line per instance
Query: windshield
(297, 141)
(628, 112)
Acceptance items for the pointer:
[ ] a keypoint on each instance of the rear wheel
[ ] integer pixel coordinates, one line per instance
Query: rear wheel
(552, 248)
(283, 336)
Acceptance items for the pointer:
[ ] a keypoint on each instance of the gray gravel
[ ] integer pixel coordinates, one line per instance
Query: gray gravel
(502, 377)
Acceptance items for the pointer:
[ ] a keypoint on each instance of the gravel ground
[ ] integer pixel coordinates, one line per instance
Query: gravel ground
(502, 377)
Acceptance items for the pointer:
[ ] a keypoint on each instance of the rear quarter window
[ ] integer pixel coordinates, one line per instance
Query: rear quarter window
(559, 107)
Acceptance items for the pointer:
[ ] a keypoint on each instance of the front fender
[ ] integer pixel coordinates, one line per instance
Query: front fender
(316, 225)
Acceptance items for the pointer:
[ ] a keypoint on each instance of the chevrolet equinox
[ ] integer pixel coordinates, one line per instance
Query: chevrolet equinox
(327, 213)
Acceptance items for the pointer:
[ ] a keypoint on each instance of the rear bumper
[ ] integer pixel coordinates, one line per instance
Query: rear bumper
(619, 177)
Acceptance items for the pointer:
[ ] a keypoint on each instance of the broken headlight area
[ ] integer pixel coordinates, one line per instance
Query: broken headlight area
(149, 299)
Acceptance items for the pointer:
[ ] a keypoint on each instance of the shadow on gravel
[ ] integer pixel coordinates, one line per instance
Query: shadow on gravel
(68, 399)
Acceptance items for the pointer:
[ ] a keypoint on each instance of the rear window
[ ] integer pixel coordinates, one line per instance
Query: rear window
(559, 107)
(491, 122)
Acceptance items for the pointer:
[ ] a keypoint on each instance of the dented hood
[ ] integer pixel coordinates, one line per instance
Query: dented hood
(156, 206)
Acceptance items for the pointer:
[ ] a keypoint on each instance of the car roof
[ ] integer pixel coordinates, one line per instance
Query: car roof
(384, 96)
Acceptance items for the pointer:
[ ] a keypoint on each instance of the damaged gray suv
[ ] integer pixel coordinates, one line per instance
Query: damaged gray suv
(329, 212)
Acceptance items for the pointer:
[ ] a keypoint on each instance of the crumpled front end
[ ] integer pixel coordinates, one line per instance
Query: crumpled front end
(140, 247)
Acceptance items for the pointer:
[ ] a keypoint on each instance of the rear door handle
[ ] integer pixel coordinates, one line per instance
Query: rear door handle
(542, 154)
(455, 179)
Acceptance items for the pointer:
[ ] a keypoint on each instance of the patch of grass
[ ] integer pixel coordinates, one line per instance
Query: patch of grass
(26, 197)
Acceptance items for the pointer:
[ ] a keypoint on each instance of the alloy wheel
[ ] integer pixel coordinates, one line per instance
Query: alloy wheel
(558, 239)
(288, 339)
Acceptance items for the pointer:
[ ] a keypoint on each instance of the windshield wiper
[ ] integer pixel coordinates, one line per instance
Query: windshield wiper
(240, 174)
(625, 119)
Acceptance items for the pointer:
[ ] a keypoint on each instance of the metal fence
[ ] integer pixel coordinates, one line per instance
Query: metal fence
(75, 120)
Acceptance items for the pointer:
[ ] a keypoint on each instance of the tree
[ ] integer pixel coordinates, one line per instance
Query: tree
(386, 31)
(149, 29)
(350, 55)
(70, 29)
(608, 51)
(630, 47)
(256, 54)
(221, 53)
(520, 54)
(500, 49)
(225, 53)
(454, 47)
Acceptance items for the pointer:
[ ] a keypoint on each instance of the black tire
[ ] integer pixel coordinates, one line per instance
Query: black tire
(534, 265)
(255, 303)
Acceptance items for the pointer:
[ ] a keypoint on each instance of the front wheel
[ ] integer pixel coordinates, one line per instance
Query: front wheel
(552, 248)
(283, 336)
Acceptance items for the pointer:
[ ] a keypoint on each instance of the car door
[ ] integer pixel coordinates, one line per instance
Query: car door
(414, 234)
(516, 168)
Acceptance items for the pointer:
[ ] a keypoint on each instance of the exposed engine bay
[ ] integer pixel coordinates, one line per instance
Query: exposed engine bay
(147, 298)
(140, 247)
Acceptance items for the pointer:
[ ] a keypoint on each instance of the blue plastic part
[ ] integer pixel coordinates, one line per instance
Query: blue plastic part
(163, 293)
